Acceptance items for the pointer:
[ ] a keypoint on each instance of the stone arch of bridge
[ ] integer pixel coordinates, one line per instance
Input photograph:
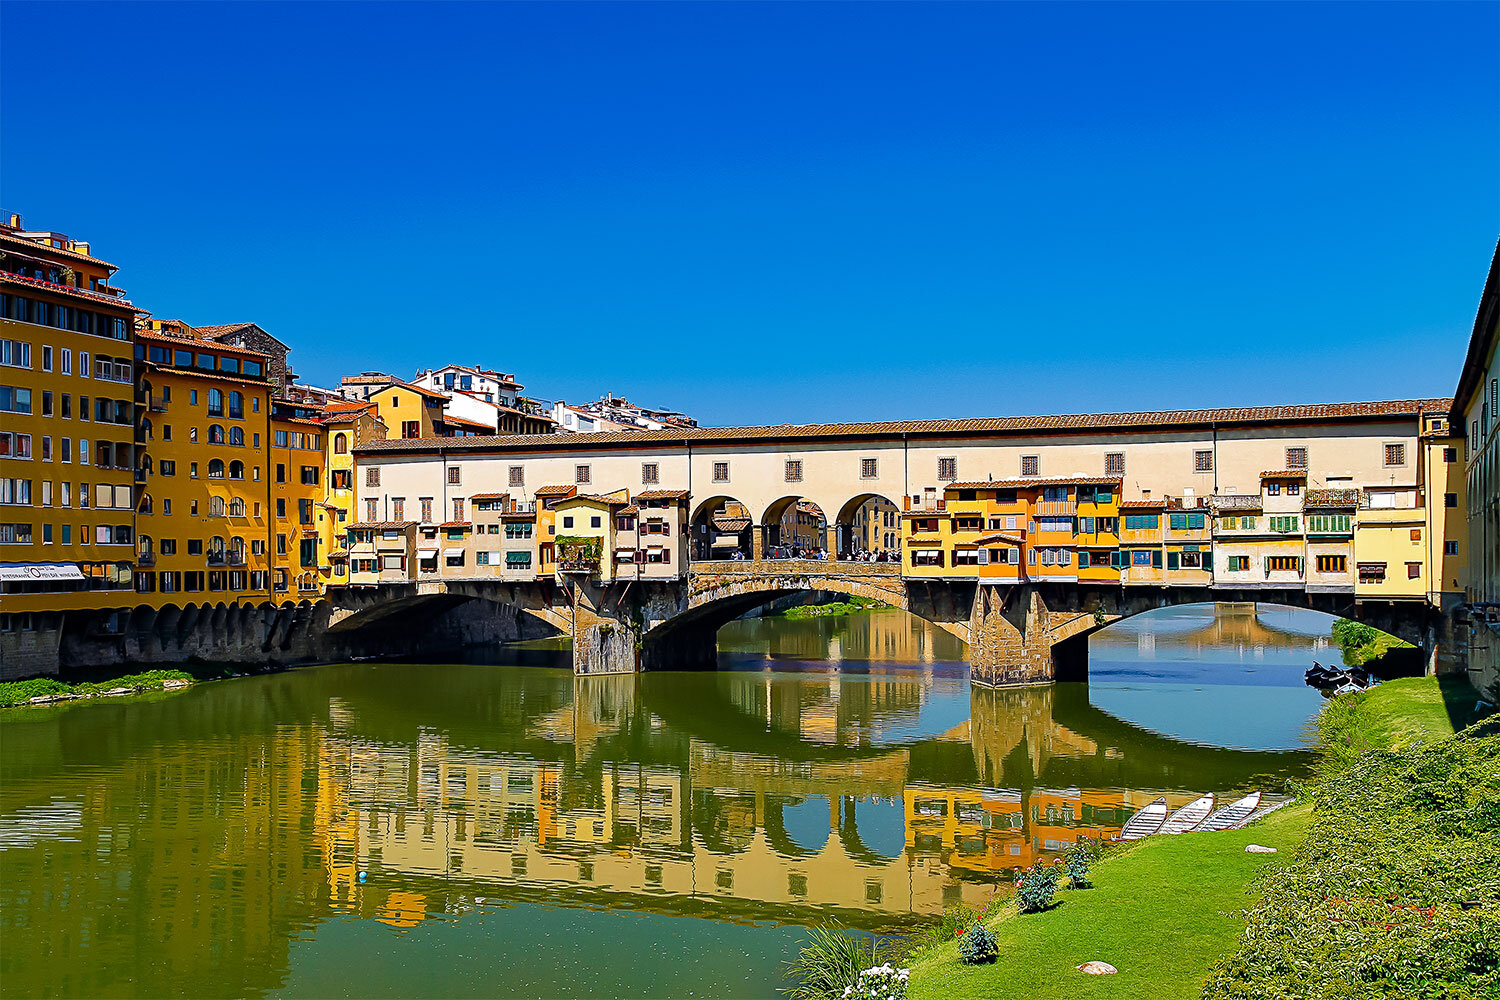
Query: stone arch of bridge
(849, 510)
(771, 522)
(399, 613)
(704, 533)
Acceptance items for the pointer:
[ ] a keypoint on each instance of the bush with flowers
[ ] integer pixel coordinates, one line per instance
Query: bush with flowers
(1037, 885)
(883, 982)
(976, 946)
(1079, 859)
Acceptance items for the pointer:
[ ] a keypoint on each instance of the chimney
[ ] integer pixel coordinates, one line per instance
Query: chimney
(15, 220)
(79, 246)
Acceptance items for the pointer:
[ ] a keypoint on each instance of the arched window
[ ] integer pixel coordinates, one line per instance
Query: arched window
(146, 464)
(215, 434)
(146, 426)
(237, 436)
(236, 469)
(145, 507)
(341, 444)
(236, 405)
(236, 550)
(215, 403)
(237, 507)
(216, 468)
(216, 546)
(216, 507)
(143, 546)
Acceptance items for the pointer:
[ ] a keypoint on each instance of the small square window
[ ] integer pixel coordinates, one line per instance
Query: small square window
(1114, 463)
(581, 475)
(1203, 461)
(650, 473)
(1413, 571)
(793, 471)
(1030, 465)
(721, 472)
(517, 476)
(1296, 458)
(869, 468)
(1395, 454)
(947, 470)
(452, 475)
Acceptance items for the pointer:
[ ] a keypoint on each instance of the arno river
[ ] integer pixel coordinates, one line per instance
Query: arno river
(453, 830)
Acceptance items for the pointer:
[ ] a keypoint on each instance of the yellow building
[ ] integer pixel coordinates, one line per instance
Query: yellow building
(203, 516)
(409, 411)
(1391, 545)
(67, 442)
(1445, 495)
(301, 523)
(347, 426)
(585, 534)
(547, 499)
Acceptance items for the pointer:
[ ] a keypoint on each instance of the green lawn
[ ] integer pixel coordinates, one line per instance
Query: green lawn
(1163, 912)
(1168, 909)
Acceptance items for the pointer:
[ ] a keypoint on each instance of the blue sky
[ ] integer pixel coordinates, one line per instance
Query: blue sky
(789, 212)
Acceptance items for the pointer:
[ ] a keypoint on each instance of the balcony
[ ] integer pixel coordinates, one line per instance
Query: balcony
(116, 299)
(145, 559)
(216, 558)
(236, 559)
(1056, 508)
(156, 404)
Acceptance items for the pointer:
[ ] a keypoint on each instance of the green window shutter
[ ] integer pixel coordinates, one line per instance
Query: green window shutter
(1156, 559)
(1173, 560)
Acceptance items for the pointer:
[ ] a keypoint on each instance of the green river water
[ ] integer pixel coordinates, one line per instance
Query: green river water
(506, 830)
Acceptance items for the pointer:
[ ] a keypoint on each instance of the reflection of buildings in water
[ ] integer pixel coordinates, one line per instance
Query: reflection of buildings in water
(829, 708)
(1194, 635)
(881, 635)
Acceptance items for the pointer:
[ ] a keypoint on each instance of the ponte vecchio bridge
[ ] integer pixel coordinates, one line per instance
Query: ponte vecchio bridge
(1294, 505)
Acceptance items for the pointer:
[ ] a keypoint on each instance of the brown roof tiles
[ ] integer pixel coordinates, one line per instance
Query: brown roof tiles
(555, 491)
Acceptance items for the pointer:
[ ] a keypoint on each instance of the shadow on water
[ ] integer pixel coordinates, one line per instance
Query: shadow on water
(687, 826)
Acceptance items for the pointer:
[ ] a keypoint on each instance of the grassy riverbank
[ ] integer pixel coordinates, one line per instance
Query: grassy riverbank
(852, 605)
(1402, 808)
(21, 692)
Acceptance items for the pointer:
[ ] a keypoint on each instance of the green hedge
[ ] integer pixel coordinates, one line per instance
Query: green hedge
(1396, 890)
(20, 692)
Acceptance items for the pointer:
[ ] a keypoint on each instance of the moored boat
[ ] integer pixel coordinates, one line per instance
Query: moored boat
(1147, 821)
(1190, 815)
(1230, 816)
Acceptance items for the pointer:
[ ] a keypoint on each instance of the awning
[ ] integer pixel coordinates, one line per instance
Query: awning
(427, 553)
(40, 571)
(927, 552)
(453, 553)
(626, 548)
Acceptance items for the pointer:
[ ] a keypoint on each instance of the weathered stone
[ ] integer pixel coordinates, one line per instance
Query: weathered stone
(1098, 968)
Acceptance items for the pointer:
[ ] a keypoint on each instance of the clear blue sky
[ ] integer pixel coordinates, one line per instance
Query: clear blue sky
(789, 212)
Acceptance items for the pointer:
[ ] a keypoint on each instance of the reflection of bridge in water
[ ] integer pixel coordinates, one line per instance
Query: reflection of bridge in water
(722, 817)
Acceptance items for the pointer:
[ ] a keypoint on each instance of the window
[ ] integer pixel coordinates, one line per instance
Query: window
(1142, 522)
(1450, 548)
(15, 400)
(721, 472)
(1114, 463)
(1203, 460)
(372, 510)
(650, 473)
(1450, 499)
(305, 511)
(427, 510)
(581, 474)
(1332, 564)
(794, 470)
(1296, 458)
(1283, 564)
(458, 508)
(1238, 564)
(1329, 523)
(517, 476)
(1395, 454)
(1413, 571)
(341, 444)
(947, 469)
(869, 468)
(567, 521)
(215, 403)
(398, 508)
(310, 475)
(372, 477)
(1372, 572)
(452, 475)
(1283, 523)
(411, 428)
(1450, 455)
(216, 468)
(281, 473)
(1030, 465)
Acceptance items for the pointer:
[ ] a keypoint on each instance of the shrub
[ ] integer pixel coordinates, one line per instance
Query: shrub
(20, 692)
(883, 982)
(830, 963)
(1079, 859)
(1036, 887)
(976, 946)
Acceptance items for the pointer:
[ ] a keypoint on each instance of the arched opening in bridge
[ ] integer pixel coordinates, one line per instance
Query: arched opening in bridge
(794, 527)
(1158, 668)
(721, 529)
(868, 527)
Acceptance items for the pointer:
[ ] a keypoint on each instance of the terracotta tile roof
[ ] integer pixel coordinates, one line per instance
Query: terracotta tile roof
(339, 556)
(77, 293)
(731, 523)
(1331, 498)
(398, 383)
(382, 525)
(449, 419)
(248, 381)
(629, 510)
(971, 427)
(47, 249)
(555, 491)
(454, 524)
(490, 496)
(1143, 504)
(998, 536)
(167, 338)
(924, 541)
(224, 330)
(662, 495)
(1285, 474)
(597, 498)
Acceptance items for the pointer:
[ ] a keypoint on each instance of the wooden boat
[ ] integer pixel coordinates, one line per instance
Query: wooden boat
(1190, 815)
(1147, 821)
(1230, 816)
